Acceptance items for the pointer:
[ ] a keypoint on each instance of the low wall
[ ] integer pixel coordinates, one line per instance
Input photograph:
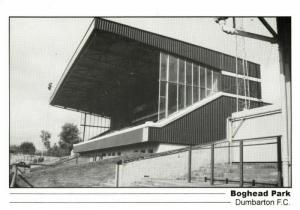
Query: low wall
(175, 166)
(170, 166)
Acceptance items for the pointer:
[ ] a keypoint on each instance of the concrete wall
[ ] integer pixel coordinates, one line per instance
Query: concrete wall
(175, 166)
(265, 121)
(168, 147)
(168, 167)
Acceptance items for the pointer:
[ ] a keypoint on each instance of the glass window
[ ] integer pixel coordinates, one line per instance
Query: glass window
(181, 71)
(202, 93)
(189, 73)
(181, 96)
(216, 81)
(150, 150)
(202, 77)
(240, 66)
(163, 87)
(189, 95)
(241, 87)
(254, 89)
(195, 75)
(195, 94)
(208, 92)
(163, 66)
(186, 83)
(172, 102)
(208, 79)
(247, 88)
(241, 105)
(162, 108)
(172, 69)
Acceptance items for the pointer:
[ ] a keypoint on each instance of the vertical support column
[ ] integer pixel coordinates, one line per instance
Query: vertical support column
(279, 161)
(167, 88)
(84, 123)
(229, 152)
(14, 179)
(190, 165)
(159, 87)
(117, 176)
(284, 41)
(241, 163)
(236, 65)
(177, 86)
(212, 163)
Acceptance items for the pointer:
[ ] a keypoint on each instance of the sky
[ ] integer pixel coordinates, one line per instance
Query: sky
(40, 49)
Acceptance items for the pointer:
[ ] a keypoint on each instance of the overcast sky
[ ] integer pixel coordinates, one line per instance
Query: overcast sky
(40, 49)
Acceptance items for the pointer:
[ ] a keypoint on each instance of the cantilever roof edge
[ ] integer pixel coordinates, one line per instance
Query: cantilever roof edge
(82, 43)
(190, 51)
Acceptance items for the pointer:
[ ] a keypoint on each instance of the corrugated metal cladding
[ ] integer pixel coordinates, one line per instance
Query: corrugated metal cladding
(204, 125)
(196, 53)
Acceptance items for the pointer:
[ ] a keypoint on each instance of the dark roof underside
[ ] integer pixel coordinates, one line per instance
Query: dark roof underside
(116, 70)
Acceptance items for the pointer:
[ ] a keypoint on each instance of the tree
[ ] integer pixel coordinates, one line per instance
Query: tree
(55, 151)
(27, 148)
(45, 137)
(14, 148)
(68, 136)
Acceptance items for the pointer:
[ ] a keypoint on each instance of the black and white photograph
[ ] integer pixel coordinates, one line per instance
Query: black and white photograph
(150, 102)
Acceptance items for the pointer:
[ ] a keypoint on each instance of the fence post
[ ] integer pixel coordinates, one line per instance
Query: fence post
(212, 163)
(279, 161)
(229, 153)
(241, 164)
(14, 179)
(117, 176)
(190, 165)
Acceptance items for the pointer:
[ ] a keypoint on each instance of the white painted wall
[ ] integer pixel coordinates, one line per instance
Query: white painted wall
(258, 123)
(168, 147)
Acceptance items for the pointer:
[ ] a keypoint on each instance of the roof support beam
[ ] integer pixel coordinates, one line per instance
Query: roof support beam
(255, 36)
(268, 27)
(234, 31)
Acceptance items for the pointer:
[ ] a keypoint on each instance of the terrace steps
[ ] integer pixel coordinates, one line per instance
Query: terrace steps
(260, 172)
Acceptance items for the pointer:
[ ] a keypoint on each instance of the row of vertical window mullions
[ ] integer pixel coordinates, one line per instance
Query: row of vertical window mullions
(189, 89)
